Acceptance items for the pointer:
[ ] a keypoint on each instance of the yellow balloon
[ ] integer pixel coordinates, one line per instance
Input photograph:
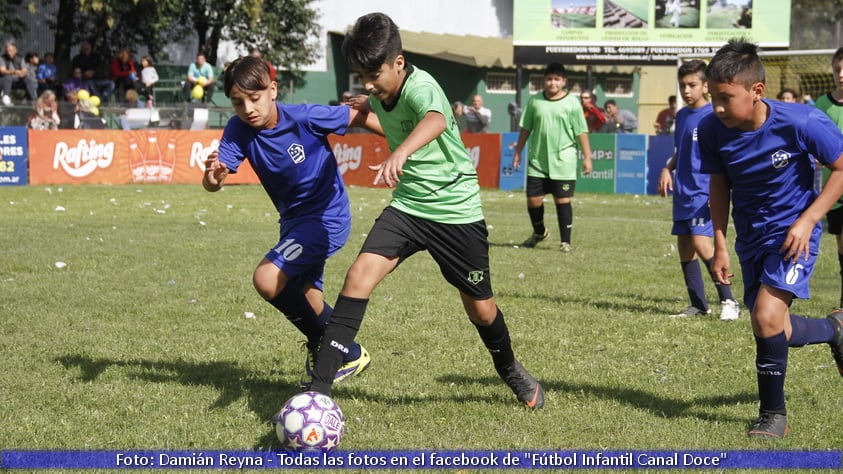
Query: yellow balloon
(94, 100)
(83, 94)
(94, 110)
(198, 92)
(201, 81)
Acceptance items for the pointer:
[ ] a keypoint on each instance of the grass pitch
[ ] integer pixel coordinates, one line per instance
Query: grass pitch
(130, 322)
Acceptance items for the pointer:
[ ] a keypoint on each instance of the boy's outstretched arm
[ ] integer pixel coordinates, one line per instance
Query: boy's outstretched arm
(427, 130)
(718, 200)
(360, 115)
(798, 240)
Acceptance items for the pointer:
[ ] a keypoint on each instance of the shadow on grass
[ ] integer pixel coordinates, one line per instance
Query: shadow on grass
(658, 405)
(227, 377)
(632, 302)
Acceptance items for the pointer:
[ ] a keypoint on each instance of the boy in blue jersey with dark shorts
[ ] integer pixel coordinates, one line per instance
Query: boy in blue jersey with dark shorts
(760, 152)
(691, 217)
(287, 146)
(435, 206)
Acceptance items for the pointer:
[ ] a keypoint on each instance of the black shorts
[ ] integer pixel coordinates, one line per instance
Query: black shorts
(460, 250)
(834, 219)
(558, 188)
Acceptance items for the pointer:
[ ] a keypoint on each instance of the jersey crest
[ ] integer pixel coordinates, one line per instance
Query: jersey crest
(296, 151)
(780, 159)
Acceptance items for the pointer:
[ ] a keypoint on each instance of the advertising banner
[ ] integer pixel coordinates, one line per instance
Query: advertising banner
(645, 32)
(659, 150)
(631, 164)
(602, 177)
(511, 178)
(164, 156)
(13, 156)
(485, 151)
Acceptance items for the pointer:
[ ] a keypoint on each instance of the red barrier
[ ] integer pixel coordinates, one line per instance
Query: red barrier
(178, 156)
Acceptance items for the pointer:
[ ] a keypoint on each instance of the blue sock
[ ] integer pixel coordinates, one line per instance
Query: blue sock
(771, 367)
(694, 284)
(809, 331)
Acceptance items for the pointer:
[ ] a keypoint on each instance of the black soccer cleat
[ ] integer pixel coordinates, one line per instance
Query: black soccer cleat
(836, 343)
(769, 425)
(534, 239)
(526, 388)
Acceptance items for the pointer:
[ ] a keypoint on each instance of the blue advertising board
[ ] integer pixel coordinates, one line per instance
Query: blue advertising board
(511, 178)
(659, 151)
(631, 164)
(14, 153)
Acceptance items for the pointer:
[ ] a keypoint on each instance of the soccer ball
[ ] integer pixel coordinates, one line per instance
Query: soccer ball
(310, 421)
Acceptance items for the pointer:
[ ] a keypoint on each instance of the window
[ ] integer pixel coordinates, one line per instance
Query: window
(618, 86)
(575, 85)
(354, 85)
(500, 83)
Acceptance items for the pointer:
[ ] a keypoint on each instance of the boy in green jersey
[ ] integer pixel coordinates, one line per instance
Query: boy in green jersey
(832, 105)
(435, 206)
(555, 125)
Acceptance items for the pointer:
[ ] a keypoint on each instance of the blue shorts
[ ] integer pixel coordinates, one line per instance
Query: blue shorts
(697, 225)
(770, 268)
(305, 245)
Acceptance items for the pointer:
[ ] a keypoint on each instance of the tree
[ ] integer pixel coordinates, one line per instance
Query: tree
(285, 31)
(10, 24)
(817, 24)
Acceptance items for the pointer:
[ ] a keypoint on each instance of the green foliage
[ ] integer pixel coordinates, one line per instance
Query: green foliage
(142, 341)
(285, 32)
(10, 24)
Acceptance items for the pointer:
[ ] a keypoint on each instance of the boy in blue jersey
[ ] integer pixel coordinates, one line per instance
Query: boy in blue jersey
(691, 217)
(760, 152)
(435, 206)
(287, 146)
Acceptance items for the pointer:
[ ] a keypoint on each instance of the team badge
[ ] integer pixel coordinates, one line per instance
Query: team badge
(475, 277)
(780, 159)
(296, 151)
(407, 126)
(566, 187)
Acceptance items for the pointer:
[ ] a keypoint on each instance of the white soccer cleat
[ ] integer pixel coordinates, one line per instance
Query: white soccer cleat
(730, 310)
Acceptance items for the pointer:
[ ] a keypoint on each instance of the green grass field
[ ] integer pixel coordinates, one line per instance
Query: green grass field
(142, 341)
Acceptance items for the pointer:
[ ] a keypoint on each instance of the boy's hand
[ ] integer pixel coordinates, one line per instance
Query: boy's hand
(389, 170)
(516, 160)
(665, 182)
(798, 240)
(215, 172)
(720, 268)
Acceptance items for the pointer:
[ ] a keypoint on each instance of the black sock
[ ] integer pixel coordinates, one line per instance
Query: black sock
(496, 339)
(565, 217)
(295, 307)
(537, 219)
(338, 338)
